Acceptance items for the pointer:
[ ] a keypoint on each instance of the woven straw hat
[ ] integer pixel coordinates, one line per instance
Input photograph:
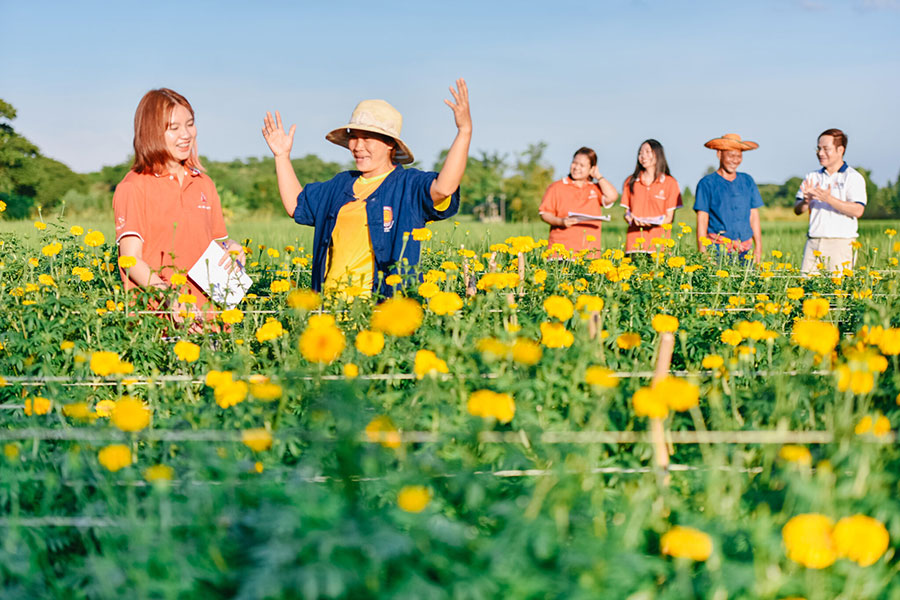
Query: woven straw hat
(376, 116)
(731, 141)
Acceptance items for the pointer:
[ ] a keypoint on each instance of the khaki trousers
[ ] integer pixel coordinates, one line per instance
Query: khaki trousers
(836, 254)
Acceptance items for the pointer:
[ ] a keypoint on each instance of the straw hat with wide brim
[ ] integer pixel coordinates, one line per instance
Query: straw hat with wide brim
(376, 116)
(731, 141)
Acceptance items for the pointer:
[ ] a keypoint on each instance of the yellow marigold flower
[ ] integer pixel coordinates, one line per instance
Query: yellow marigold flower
(434, 275)
(889, 343)
(881, 426)
(526, 352)
(862, 539)
(187, 299)
(627, 341)
(647, 403)
(77, 410)
(104, 408)
(40, 225)
(731, 337)
(227, 392)
(422, 234)
(393, 280)
(126, 262)
(187, 351)
(858, 382)
(159, 473)
(369, 343)
(265, 391)
(413, 498)
(540, 276)
(279, 286)
(398, 316)
(178, 279)
(381, 429)
(215, 378)
(818, 336)
(322, 341)
(51, 249)
(686, 542)
(11, 451)
(808, 539)
(84, 274)
(94, 239)
(66, 345)
(601, 377)
(270, 330)
(492, 349)
(46, 280)
(722, 273)
(273, 252)
(33, 262)
(679, 394)
(444, 303)
(712, 361)
(559, 307)
(663, 323)
(692, 268)
(675, 262)
(589, 304)
(796, 454)
(105, 363)
(555, 335)
(815, 308)
(115, 457)
(37, 405)
(258, 439)
(351, 371)
(76, 230)
(130, 414)
(232, 316)
(487, 403)
(428, 289)
(304, 300)
(427, 363)
(864, 426)
(449, 265)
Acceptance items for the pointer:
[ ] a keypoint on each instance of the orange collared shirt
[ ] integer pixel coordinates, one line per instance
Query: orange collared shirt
(563, 197)
(175, 222)
(648, 201)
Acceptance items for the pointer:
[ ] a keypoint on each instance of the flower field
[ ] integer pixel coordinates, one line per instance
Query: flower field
(507, 426)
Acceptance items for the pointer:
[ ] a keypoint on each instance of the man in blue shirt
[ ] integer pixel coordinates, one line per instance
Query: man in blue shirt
(727, 202)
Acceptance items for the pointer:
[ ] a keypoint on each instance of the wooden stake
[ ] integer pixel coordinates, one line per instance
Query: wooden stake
(657, 428)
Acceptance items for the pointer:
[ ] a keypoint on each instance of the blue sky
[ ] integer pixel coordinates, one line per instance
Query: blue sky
(605, 74)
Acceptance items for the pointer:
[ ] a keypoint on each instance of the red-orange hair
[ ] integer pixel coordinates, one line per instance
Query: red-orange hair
(151, 119)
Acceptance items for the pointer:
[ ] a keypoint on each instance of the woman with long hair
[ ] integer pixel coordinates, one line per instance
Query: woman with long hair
(166, 209)
(572, 206)
(650, 197)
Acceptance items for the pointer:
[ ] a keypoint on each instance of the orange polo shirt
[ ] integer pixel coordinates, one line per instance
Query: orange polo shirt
(175, 222)
(648, 201)
(563, 197)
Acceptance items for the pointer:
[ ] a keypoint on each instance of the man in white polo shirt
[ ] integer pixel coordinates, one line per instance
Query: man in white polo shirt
(835, 196)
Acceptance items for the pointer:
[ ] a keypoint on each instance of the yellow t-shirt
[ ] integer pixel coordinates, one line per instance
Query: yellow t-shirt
(351, 260)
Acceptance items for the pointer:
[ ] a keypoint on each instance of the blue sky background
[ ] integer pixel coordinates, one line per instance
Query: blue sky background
(605, 74)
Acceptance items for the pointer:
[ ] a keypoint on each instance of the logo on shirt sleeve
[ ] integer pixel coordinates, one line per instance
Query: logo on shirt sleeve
(388, 215)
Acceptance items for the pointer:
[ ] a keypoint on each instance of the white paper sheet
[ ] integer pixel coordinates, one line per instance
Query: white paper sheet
(658, 220)
(222, 286)
(583, 217)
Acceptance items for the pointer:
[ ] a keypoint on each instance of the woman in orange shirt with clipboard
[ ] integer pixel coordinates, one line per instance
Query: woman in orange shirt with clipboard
(572, 205)
(650, 196)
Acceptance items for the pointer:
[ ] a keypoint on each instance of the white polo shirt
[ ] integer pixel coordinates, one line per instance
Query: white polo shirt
(845, 184)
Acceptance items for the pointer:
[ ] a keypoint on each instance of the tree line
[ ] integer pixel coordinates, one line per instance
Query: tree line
(31, 182)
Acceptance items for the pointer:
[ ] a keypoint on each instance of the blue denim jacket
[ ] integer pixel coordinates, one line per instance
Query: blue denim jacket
(400, 204)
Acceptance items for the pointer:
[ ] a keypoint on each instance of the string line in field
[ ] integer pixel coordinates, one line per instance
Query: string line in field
(165, 379)
(753, 437)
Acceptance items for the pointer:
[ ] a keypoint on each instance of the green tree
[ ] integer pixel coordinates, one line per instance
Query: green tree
(525, 188)
(484, 178)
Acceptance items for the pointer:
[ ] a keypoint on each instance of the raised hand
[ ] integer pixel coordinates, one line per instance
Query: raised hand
(280, 143)
(460, 106)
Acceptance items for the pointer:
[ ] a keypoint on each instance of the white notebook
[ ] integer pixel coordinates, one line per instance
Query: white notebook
(222, 286)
